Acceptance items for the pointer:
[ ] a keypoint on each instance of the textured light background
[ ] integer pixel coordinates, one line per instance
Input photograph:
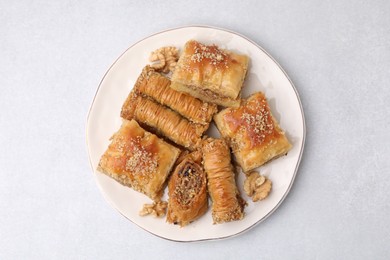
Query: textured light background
(53, 55)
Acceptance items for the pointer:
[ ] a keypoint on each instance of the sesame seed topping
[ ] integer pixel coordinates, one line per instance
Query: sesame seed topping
(254, 119)
(212, 54)
(140, 160)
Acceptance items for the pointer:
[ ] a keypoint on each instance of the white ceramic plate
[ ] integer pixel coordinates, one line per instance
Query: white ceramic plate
(264, 75)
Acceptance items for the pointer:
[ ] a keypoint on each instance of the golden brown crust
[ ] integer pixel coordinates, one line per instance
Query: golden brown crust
(164, 120)
(187, 189)
(253, 133)
(138, 159)
(210, 73)
(157, 86)
(227, 203)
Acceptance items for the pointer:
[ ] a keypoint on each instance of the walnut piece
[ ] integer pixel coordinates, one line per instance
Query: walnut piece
(157, 209)
(257, 186)
(165, 59)
(262, 191)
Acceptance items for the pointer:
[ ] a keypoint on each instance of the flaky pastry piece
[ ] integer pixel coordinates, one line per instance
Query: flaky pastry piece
(157, 86)
(138, 159)
(187, 190)
(227, 205)
(164, 120)
(210, 73)
(253, 133)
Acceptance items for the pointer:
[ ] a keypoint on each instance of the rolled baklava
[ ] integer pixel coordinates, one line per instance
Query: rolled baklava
(187, 190)
(164, 120)
(227, 205)
(156, 86)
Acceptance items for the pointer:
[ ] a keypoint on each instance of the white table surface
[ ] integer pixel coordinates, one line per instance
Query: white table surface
(53, 55)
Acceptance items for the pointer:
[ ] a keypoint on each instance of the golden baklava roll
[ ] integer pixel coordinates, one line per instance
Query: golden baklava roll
(164, 120)
(187, 190)
(227, 205)
(157, 86)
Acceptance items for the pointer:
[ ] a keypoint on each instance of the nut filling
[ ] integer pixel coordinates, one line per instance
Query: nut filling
(189, 183)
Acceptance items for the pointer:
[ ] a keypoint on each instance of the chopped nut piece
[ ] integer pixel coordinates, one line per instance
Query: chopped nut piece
(262, 191)
(248, 183)
(157, 209)
(160, 61)
(257, 186)
(259, 181)
(165, 59)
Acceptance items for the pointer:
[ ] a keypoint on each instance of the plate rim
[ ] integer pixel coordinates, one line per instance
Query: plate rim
(300, 152)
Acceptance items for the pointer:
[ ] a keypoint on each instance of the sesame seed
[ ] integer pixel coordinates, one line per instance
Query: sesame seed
(141, 161)
(211, 53)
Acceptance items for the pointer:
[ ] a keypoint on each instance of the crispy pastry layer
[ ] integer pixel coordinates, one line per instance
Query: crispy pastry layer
(164, 120)
(157, 86)
(227, 203)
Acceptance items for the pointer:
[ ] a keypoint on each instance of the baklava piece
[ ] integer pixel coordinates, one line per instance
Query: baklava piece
(253, 133)
(163, 120)
(210, 73)
(227, 205)
(187, 190)
(138, 159)
(156, 86)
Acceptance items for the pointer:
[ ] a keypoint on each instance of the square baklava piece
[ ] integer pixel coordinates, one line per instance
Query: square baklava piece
(138, 159)
(252, 132)
(210, 73)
